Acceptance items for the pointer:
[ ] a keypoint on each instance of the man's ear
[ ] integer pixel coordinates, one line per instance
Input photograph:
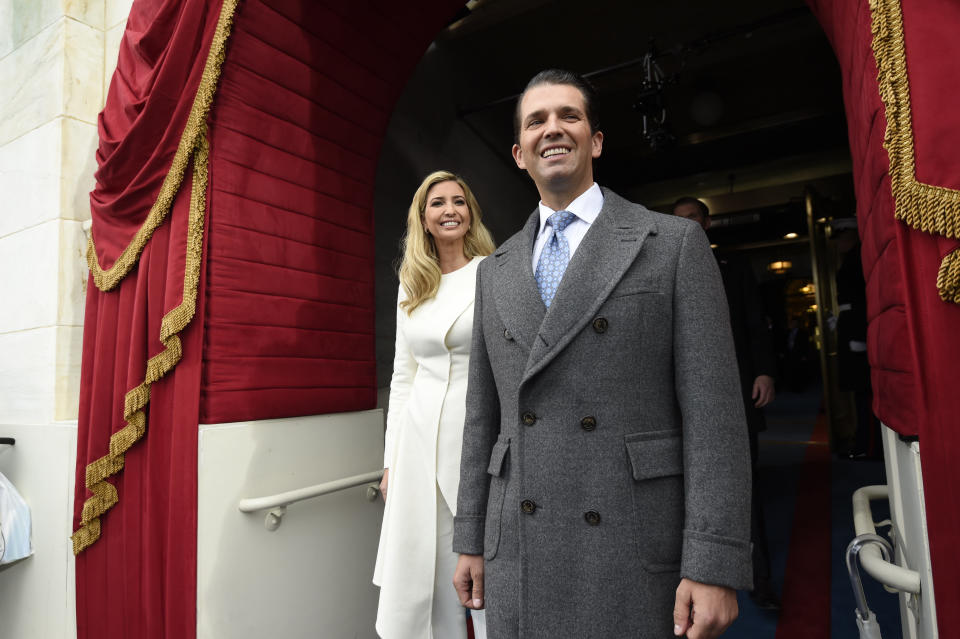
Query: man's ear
(597, 144)
(517, 153)
(706, 223)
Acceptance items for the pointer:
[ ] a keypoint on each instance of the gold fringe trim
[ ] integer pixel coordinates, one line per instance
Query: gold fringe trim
(948, 279)
(924, 207)
(107, 279)
(135, 401)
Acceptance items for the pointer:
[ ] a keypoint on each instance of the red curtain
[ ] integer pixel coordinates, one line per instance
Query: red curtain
(914, 341)
(135, 499)
(138, 579)
(280, 219)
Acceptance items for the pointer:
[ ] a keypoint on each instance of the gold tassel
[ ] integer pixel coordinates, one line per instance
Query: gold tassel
(923, 207)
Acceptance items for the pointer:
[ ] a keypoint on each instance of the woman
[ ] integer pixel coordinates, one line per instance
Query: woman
(444, 242)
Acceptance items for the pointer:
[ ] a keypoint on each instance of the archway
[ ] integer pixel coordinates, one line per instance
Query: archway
(368, 50)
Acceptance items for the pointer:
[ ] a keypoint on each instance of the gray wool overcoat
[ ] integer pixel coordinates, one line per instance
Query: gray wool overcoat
(605, 451)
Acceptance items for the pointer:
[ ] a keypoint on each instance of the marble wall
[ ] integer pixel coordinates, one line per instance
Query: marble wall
(56, 60)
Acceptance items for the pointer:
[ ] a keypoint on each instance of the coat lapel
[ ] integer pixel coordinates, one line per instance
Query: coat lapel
(606, 252)
(455, 302)
(515, 291)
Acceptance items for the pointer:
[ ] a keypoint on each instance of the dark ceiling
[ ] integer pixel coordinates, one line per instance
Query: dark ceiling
(751, 97)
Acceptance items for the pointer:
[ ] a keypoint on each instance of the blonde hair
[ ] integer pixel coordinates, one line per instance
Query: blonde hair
(420, 269)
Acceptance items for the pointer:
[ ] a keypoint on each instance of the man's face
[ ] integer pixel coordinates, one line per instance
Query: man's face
(556, 146)
(692, 212)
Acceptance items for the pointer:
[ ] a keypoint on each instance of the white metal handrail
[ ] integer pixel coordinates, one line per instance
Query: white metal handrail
(277, 504)
(253, 504)
(871, 558)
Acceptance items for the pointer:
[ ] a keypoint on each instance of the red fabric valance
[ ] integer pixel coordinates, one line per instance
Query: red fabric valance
(304, 101)
(145, 140)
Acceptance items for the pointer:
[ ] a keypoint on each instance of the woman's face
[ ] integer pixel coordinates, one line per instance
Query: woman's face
(446, 217)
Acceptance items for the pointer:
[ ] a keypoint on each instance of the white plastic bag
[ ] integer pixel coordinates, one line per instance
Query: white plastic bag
(14, 524)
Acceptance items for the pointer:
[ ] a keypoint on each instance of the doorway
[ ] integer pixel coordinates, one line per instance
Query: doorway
(740, 109)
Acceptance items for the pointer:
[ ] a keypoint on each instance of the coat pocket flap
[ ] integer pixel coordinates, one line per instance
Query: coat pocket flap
(497, 456)
(656, 454)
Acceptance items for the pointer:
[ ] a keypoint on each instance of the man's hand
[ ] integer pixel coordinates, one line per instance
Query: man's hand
(703, 611)
(383, 484)
(468, 581)
(762, 390)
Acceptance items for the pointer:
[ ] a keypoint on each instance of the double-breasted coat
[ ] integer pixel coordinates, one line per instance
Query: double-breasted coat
(605, 450)
(422, 450)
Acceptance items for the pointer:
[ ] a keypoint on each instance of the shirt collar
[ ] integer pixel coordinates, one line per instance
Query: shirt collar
(586, 206)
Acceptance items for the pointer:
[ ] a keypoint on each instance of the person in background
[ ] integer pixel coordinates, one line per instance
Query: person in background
(444, 243)
(757, 364)
(854, 367)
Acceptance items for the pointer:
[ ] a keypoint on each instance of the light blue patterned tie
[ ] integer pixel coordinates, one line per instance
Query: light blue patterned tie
(554, 258)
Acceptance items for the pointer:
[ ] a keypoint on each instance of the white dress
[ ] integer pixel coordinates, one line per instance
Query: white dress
(422, 450)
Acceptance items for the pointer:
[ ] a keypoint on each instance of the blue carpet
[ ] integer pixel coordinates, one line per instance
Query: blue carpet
(790, 421)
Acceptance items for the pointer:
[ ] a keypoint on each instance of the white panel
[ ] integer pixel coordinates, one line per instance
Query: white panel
(312, 576)
(112, 40)
(79, 163)
(71, 273)
(66, 391)
(89, 12)
(57, 72)
(30, 169)
(20, 21)
(27, 376)
(83, 68)
(30, 259)
(32, 77)
(38, 594)
(116, 12)
(908, 512)
(47, 173)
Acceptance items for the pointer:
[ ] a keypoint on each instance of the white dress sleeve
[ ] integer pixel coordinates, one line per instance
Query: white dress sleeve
(404, 371)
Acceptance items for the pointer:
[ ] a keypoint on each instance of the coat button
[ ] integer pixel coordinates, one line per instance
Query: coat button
(529, 419)
(592, 517)
(527, 506)
(507, 334)
(600, 324)
(588, 423)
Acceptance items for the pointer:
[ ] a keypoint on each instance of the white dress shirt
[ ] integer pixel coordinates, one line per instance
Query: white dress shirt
(586, 207)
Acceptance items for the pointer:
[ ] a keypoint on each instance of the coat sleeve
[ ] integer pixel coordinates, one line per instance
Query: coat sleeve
(716, 537)
(480, 430)
(404, 371)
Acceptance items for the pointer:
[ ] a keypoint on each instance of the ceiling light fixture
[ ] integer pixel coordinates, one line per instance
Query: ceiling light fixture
(650, 103)
(780, 267)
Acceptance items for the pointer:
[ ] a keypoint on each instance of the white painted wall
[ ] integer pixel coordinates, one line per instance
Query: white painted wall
(56, 58)
(311, 577)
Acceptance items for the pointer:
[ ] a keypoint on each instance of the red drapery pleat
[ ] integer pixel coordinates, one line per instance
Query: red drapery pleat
(914, 341)
(304, 101)
(139, 578)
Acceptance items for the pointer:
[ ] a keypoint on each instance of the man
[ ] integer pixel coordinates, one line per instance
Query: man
(757, 363)
(604, 479)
